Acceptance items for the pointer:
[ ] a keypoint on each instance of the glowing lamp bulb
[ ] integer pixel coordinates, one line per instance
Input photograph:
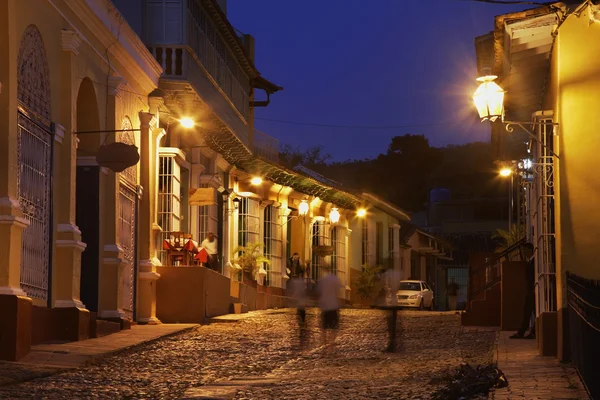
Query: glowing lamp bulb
(504, 172)
(489, 99)
(334, 216)
(361, 213)
(187, 123)
(303, 208)
(256, 181)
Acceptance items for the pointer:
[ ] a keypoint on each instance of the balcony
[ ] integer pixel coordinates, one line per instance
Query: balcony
(180, 63)
(204, 59)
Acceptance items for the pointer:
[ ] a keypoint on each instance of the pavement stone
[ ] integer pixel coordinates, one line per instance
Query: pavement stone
(531, 376)
(266, 356)
(50, 359)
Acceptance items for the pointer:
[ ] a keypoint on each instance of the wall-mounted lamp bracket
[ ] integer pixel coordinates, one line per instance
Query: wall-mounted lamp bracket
(509, 128)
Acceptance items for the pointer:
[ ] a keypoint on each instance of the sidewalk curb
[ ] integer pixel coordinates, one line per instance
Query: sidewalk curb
(95, 359)
(48, 371)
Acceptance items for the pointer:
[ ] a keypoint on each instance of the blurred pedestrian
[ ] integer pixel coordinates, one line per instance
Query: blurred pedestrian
(452, 291)
(328, 288)
(299, 294)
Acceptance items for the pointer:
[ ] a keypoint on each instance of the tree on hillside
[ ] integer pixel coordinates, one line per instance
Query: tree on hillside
(313, 157)
(409, 169)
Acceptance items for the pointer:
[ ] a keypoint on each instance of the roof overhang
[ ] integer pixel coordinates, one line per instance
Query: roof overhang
(238, 48)
(386, 207)
(299, 182)
(264, 84)
(528, 44)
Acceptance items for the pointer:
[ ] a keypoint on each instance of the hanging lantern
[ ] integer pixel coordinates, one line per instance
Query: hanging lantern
(489, 99)
(117, 156)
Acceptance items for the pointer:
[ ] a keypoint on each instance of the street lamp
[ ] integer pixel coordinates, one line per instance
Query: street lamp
(257, 180)
(187, 122)
(361, 213)
(505, 172)
(489, 101)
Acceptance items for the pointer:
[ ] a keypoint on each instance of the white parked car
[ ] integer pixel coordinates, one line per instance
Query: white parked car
(415, 294)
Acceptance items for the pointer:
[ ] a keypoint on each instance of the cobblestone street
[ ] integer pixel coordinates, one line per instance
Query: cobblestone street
(262, 357)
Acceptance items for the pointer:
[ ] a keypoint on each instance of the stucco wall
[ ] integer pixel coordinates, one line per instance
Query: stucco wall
(188, 294)
(577, 85)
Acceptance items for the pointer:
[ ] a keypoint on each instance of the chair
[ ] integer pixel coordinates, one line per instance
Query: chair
(178, 255)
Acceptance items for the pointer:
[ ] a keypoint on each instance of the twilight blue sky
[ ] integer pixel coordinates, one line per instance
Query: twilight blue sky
(367, 63)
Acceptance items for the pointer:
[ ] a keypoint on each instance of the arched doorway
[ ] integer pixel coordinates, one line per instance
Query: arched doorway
(88, 192)
(127, 222)
(34, 155)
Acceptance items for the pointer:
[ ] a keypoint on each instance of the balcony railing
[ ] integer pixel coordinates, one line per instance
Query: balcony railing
(266, 146)
(214, 55)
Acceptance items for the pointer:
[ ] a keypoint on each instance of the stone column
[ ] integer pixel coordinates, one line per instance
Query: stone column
(113, 260)
(66, 268)
(15, 306)
(147, 217)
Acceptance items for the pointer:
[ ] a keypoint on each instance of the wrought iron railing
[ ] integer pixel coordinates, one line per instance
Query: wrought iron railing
(266, 146)
(489, 274)
(214, 54)
(583, 297)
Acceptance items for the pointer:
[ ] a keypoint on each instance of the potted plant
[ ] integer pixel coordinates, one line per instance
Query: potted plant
(367, 283)
(251, 259)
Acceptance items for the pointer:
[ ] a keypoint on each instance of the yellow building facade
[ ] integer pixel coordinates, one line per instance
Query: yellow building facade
(66, 68)
(547, 61)
(88, 232)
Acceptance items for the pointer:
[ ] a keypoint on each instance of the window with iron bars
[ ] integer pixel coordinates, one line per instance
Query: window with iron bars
(379, 243)
(338, 258)
(248, 221)
(366, 254)
(391, 247)
(543, 215)
(320, 237)
(273, 246)
(169, 200)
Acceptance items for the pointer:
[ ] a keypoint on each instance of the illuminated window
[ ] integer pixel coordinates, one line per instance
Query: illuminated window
(320, 237)
(338, 259)
(273, 246)
(169, 199)
(248, 221)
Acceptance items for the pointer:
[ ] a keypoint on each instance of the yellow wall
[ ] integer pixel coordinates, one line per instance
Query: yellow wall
(577, 84)
(374, 216)
(67, 70)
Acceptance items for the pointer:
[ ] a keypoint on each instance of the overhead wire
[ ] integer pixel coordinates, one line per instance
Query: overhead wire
(339, 126)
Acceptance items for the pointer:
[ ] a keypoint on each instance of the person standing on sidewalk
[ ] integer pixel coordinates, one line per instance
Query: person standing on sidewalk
(210, 245)
(529, 306)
